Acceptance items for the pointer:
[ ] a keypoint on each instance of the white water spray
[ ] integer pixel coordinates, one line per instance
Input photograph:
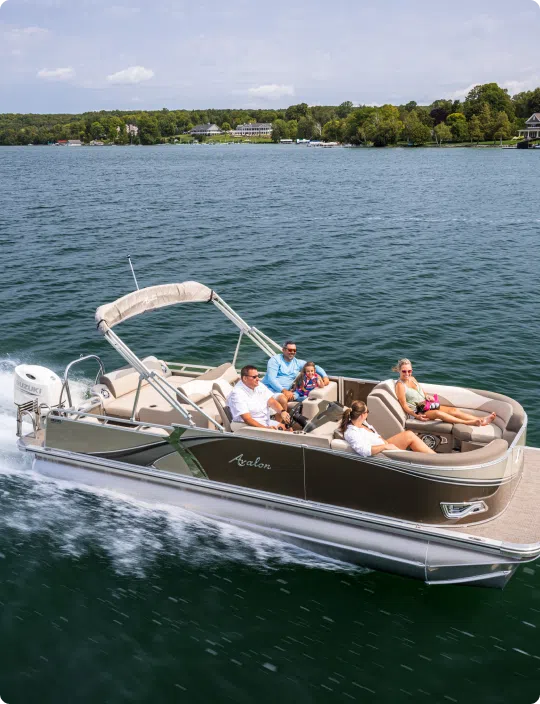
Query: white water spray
(133, 534)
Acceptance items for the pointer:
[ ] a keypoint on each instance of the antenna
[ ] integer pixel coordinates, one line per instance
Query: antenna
(133, 272)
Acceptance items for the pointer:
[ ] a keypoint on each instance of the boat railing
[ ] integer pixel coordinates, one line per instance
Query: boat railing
(65, 385)
(78, 414)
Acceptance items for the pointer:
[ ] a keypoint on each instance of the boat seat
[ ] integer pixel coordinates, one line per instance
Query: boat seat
(152, 408)
(479, 435)
(342, 446)
(327, 430)
(122, 407)
(125, 380)
(293, 438)
(389, 418)
(387, 415)
(225, 371)
(312, 405)
(487, 453)
(220, 393)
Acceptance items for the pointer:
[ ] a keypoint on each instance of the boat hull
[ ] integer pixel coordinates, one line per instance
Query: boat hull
(430, 554)
(373, 485)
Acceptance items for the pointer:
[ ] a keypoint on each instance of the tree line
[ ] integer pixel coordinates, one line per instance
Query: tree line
(487, 113)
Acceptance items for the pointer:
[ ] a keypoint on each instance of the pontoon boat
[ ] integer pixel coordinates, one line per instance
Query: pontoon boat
(161, 430)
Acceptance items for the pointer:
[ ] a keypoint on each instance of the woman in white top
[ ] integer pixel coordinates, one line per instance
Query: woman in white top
(366, 441)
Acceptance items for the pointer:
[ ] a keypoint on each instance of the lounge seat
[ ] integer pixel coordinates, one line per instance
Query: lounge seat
(120, 390)
(387, 415)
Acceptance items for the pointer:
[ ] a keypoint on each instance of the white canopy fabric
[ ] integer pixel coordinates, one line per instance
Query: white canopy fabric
(151, 298)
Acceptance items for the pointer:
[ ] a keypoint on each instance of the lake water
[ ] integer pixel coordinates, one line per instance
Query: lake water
(362, 256)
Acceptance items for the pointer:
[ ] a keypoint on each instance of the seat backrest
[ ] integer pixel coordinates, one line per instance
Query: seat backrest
(221, 404)
(385, 411)
(224, 371)
(125, 381)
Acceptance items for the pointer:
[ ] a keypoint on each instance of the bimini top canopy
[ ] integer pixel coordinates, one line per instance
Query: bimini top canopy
(151, 298)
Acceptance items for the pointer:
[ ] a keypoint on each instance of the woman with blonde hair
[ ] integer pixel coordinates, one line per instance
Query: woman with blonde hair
(415, 402)
(366, 441)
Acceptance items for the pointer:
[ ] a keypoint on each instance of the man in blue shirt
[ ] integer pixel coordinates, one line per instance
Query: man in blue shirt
(283, 369)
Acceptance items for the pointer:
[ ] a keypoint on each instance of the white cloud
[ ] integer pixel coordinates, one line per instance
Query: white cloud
(463, 92)
(56, 74)
(518, 86)
(271, 91)
(131, 75)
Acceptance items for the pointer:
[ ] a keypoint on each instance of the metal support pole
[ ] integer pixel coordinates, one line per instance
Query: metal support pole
(237, 349)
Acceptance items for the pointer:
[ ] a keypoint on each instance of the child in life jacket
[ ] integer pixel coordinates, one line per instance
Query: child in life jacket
(306, 381)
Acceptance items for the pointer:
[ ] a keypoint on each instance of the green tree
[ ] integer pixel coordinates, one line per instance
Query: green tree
(502, 127)
(344, 109)
(148, 129)
(411, 105)
(323, 113)
(295, 112)
(415, 131)
(307, 128)
(458, 125)
(97, 131)
(292, 129)
(476, 133)
(443, 133)
(225, 126)
(440, 109)
(167, 124)
(527, 103)
(279, 130)
(353, 127)
(496, 97)
(486, 121)
(384, 126)
(333, 131)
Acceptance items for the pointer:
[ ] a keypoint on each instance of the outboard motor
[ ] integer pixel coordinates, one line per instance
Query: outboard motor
(37, 390)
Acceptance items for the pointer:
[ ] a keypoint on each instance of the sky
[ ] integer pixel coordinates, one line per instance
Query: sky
(75, 55)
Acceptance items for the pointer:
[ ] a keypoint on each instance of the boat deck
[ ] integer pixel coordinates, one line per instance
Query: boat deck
(520, 522)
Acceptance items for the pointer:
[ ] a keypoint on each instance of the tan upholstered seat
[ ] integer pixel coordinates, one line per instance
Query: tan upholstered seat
(387, 415)
(389, 418)
(312, 404)
(152, 407)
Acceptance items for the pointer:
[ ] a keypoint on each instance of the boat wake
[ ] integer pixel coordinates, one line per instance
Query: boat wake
(78, 519)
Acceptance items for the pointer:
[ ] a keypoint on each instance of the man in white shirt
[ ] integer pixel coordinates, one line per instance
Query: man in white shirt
(250, 402)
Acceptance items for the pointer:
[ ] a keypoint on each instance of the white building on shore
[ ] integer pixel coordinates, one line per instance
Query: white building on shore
(206, 130)
(253, 129)
(532, 127)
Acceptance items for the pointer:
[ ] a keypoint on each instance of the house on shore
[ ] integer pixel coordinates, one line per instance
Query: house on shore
(74, 143)
(532, 127)
(253, 129)
(206, 130)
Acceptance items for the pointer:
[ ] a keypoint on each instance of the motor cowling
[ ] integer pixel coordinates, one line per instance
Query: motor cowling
(37, 383)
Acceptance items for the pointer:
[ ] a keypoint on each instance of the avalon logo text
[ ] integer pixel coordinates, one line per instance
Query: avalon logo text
(241, 462)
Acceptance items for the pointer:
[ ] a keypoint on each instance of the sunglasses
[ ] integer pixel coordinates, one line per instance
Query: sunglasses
(290, 351)
(248, 376)
(405, 371)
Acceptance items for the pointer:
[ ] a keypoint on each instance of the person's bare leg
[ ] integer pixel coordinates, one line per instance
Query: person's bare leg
(282, 401)
(448, 418)
(485, 420)
(407, 439)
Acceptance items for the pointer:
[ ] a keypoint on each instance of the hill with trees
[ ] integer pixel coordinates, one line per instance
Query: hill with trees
(487, 113)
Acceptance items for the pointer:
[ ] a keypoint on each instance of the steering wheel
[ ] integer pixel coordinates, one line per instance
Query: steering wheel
(291, 411)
